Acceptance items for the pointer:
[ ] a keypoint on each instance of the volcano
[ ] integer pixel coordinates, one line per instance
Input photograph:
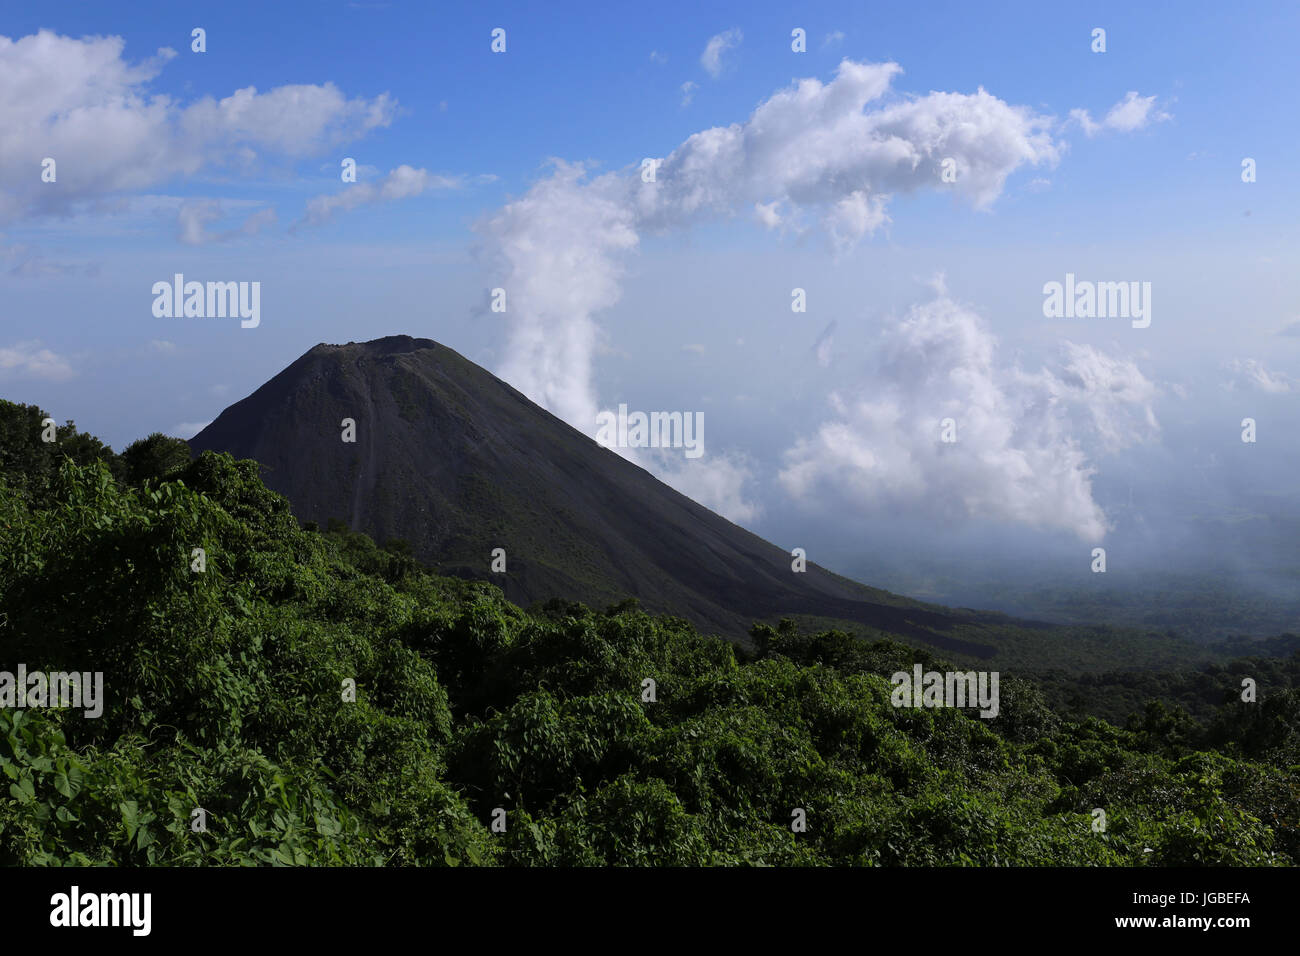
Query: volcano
(456, 462)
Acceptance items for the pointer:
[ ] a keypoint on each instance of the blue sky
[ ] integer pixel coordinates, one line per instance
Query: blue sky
(694, 313)
(578, 82)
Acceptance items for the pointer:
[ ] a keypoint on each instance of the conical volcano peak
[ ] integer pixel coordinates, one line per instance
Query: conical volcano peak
(386, 345)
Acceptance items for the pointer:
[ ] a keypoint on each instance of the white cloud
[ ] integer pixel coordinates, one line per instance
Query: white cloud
(29, 360)
(688, 92)
(856, 215)
(768, 214)
(561, 245)
(711, 58)
(1251, 373)
(657, 57)
(77, 101)
(819, 145)
(402, 183)
(813, 147)
(1112, 394)
(1131, 113)
(1021, 451)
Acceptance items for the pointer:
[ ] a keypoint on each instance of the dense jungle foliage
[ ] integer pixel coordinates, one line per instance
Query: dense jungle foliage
(226, 691)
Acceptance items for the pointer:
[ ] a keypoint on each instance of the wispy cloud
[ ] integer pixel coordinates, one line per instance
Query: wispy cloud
(30, 360)
(1251, 373)
(193, 217)
(403, 182)
(29, 262)
(1129, 114)
(714, 51)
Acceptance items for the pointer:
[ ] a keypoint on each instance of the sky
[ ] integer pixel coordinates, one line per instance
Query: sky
(921, 172)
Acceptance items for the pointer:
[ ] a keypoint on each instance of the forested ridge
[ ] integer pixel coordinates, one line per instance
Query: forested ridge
(226, 691)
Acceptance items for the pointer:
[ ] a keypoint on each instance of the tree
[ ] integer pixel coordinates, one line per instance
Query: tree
(29, 464)
(154, 457)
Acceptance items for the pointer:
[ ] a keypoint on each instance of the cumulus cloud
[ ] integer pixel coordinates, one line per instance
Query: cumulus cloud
(403, 182)
(816, 149)
(29, 360)
(80, 103)
(821, 146)
(716, 48)
(1023, 438)
(1131, 113)
(1251, 373)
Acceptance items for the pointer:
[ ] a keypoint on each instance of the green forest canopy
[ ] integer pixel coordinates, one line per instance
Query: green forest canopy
(226, 693)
